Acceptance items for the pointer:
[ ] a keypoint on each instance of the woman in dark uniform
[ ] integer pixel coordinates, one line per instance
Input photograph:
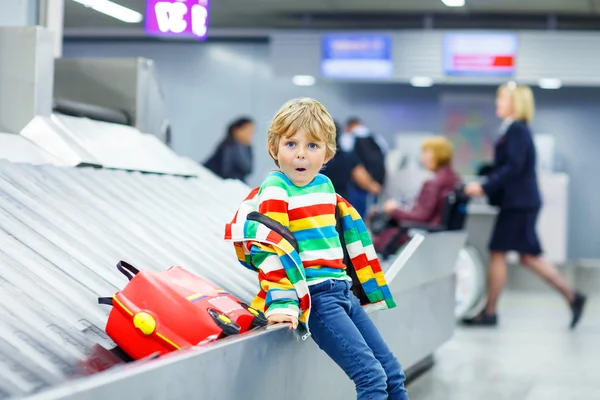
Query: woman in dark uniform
(512, 186)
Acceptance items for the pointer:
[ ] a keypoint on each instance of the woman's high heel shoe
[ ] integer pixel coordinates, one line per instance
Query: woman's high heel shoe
(482, 319)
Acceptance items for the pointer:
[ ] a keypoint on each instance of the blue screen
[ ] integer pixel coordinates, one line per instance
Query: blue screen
(356, 56)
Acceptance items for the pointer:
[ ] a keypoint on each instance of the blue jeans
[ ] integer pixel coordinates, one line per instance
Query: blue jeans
(343, 330)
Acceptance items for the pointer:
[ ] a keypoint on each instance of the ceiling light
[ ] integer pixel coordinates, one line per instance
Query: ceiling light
(304, 80)
(113, 9)
(421, 81)
(550, 83)
(454, 3)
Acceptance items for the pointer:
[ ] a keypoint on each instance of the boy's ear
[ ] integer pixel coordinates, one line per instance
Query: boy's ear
(272, 153)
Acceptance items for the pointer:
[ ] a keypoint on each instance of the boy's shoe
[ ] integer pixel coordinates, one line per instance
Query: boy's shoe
(482, 319)
(577, 308)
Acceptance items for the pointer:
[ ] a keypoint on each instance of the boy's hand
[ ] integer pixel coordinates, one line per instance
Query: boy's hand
(282, 318)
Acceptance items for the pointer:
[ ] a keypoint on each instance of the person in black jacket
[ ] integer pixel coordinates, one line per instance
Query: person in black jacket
(370, 151)
(233, 158)
(512, 186)
(345, 169)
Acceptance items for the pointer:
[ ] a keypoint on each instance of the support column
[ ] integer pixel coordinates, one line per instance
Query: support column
(18, 12)
(51, 16)
(27, 53)
(47, 13)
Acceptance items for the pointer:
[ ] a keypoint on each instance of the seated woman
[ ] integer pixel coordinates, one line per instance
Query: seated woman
(436, 156)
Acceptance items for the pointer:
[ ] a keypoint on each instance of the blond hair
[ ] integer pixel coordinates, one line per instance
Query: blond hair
(302, 114)
(441, 148)
(522, 100)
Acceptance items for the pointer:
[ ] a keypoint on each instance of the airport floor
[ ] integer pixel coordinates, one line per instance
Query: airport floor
(531, 355)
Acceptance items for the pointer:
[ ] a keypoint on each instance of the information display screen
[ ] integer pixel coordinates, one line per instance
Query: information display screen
(480, 54)
(354, 56)
(186, 18)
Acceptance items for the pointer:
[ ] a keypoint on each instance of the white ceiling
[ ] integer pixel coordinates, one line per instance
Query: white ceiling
(340, 13)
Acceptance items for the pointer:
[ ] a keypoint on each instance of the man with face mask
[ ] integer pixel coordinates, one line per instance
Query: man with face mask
(370, 149)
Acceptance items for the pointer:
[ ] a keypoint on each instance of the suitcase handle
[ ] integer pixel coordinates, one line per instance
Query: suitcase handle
(105, 300)
(127, 269)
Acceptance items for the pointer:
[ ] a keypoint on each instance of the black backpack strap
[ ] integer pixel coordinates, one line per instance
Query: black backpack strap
(105, 300)
(357, 288)
(127, 269)
(275, 226)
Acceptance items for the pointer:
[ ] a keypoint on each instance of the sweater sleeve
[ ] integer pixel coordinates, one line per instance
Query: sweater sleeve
(281, 295)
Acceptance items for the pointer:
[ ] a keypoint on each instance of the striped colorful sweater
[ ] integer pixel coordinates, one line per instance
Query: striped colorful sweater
(309, 213)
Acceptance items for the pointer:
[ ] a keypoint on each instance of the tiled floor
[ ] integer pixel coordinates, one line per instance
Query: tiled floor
(531, 355)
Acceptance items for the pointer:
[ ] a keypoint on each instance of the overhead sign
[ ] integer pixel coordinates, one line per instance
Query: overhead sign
(188, 18)
(356, 56)
(480, 54)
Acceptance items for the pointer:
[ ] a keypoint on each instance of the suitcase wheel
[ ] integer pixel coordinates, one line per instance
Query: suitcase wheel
(225, 323)
(259, 319)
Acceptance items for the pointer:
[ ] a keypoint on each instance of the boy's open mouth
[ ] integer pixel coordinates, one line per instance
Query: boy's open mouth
(300, 169)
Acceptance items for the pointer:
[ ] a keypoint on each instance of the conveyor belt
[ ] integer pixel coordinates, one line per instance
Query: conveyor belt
(61, 232)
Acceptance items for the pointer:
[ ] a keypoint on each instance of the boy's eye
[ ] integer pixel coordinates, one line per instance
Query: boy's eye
(313, 146)
(290, 144)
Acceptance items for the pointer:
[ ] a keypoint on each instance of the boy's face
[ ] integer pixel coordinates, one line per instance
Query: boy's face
(300, 158)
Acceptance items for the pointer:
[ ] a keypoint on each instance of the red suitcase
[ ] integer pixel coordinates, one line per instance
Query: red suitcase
(166, 311)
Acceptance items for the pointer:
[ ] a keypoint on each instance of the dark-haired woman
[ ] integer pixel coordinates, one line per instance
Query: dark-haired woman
(232, 158)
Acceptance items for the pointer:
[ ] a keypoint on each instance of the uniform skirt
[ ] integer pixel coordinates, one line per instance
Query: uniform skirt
(515, 230)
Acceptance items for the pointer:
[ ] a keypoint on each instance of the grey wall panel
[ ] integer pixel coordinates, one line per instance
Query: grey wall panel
(573, 57)
(26, 76)
(572, 116)
(295, 54)
(418, 53)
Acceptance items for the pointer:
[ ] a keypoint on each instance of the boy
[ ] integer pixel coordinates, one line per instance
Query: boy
(287, 230)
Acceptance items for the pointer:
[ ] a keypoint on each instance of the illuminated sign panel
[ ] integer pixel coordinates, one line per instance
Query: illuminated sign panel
(480, 54)
(186, 18)
(352, 56)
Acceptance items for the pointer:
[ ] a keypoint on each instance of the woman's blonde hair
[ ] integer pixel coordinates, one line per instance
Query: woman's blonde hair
(522, 100)
(302, 114)
(441, 148)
